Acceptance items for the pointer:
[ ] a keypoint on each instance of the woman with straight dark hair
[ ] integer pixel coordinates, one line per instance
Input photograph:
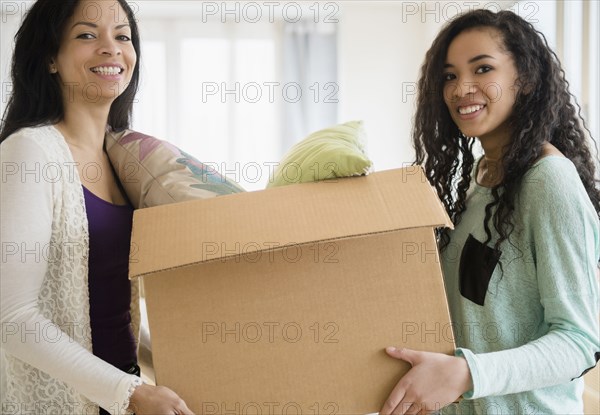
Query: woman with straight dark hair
(520, 266)
(69, 314)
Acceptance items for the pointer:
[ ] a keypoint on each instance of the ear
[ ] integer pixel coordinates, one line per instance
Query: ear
(52, 67)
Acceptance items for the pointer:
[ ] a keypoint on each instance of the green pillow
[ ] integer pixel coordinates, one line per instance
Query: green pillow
(326, 154)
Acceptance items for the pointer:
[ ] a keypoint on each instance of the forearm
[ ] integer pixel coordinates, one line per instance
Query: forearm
(37, 341)
(553, 359)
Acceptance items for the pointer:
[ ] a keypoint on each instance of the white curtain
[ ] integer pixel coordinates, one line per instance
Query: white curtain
(309, 75)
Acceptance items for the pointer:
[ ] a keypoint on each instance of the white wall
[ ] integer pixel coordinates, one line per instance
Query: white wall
(10, 18)
(382, 45)
(381, 49)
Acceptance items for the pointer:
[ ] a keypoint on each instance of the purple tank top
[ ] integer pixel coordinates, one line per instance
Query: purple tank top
(109, 287)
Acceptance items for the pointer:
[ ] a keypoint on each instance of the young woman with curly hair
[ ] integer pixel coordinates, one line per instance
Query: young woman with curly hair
(520, 265)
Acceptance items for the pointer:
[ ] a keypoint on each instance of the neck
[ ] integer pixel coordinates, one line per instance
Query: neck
(495, 142)
(490, 169)
(84, 127)
(494, 146)
(490, 172)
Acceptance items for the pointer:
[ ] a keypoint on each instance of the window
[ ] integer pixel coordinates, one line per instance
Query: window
(571, 28)
(213, 89)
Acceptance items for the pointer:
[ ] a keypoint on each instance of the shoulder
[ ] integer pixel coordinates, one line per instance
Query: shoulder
(46, 133)
(552, 174)
(31, 168)
(39, 142)
(548, 170)
(552, 188)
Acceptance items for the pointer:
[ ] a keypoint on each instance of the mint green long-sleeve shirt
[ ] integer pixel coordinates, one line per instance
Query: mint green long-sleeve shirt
(526, 315)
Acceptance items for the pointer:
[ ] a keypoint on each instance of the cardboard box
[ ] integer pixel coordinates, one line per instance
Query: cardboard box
(283, 300)
(591, 393)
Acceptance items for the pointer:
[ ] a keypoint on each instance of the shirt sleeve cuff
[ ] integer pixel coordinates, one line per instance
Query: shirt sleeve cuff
(133, 382)
(470, 358)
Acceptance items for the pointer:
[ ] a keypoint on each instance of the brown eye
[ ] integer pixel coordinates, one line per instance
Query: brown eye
(483, 69)
(449, 76)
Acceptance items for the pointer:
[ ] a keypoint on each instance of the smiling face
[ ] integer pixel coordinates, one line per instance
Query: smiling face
(96, 58)
(480, 84)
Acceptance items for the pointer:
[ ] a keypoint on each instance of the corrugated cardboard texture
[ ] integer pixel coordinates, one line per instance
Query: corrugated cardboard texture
(190, 232)
(302, 329)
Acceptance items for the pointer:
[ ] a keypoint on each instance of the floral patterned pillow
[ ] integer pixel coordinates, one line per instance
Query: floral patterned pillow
(155, 172)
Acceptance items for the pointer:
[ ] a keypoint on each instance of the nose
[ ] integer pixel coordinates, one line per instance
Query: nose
(462, 87)
(110, 47)
(467, 86)
(470, 87)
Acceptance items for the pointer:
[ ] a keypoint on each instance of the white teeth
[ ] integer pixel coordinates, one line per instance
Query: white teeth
(107, 70)
(470, 109)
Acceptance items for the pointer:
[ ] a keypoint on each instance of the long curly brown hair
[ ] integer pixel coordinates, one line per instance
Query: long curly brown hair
(547, 112)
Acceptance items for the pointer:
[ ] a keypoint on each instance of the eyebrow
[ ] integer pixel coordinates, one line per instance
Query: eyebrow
(95, 25)
(475, 59)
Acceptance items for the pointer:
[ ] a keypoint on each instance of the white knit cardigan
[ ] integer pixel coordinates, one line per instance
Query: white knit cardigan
(46, 361)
